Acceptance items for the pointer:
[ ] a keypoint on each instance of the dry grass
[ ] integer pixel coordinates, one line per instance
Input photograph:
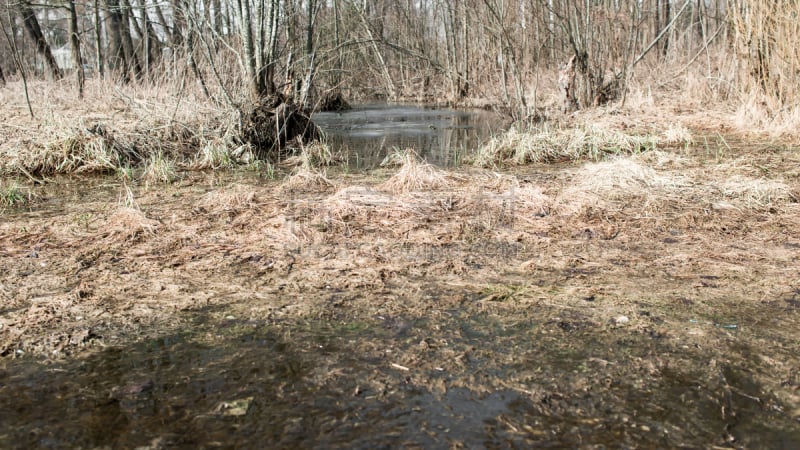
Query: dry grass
(65, 150)
(362, 206)
(598, 184)
(468, 208)
(235, 199)
(316, 154)
(614, 185)
(115, 128)
(127, 224)
(762, 114)
(416, 175)
(539, 145)
(306, 180)
(754, 193)
(214, 154)
(159, 170)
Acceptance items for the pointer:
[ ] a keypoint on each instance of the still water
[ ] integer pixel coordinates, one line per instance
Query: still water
(441, 136)
(256, 384)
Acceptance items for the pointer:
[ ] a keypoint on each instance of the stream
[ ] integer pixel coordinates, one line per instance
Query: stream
(441, 136)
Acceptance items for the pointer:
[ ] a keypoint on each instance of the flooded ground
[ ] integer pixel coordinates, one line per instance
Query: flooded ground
(442, 136)
(646, 301)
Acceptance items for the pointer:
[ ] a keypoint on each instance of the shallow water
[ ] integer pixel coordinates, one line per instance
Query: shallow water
(247, 384)
(441, 136)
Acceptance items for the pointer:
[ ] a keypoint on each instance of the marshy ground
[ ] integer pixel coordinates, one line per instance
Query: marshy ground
(645, 299)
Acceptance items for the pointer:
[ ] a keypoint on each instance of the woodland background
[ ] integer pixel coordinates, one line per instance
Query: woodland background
(484, 52)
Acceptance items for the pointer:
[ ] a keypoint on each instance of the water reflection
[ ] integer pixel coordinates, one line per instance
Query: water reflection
(441, 136)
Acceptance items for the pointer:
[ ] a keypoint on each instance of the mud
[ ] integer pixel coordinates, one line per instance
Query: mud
(524, 309)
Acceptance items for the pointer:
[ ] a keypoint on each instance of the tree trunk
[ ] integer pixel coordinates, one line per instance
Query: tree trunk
(217, 19)
(146, 37)
(42, 47)
(75, 47)
(190, 59)
(2, 77)
(305, 93)
(667, 19)
(178, 22)
(126, 6)
(338, 41)
(127, 41)
(117, 61)
(98, 40)
(246, 29)
(164, 24)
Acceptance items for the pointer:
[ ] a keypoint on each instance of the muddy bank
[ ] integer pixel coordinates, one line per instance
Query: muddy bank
(638, 300)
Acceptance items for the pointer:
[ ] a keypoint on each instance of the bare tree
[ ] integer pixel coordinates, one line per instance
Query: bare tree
(75, 47)
(11, 38)
(31, 24)
(259, 48)
(117, 58)
(127, 40)
(98, 40)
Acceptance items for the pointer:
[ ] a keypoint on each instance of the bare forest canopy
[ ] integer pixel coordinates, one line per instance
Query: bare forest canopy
(501, 51)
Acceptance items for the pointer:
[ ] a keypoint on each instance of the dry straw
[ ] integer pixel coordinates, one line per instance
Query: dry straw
(127, 224)
(754, 193)
(619, 180)
(237, 199)
(416, 174)
(593, 141)
(159, 169)
(306, 180)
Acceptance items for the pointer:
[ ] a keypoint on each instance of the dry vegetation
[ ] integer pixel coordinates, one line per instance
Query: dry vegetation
(663, 212)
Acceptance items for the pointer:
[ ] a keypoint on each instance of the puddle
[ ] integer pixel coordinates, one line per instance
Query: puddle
(441, 136)
(334, 385)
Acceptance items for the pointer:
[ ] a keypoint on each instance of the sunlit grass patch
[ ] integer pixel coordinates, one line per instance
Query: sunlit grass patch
(621, 180)
(542, 145)
(128, 223)
(753, 193)
(415, 174)
(307, 180)
(68, 151)
(234, 199)
(677, 135)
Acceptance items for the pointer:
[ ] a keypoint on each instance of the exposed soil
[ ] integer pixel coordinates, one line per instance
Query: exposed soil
(649, 299)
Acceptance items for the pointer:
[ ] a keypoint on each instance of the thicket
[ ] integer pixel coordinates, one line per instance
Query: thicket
(502, 52)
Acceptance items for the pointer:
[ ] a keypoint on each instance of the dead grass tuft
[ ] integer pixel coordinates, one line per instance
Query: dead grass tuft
(540, 145)
(92, 150)
(755, 193)
(760, 113)
(159, 169)
(416, 175)
(237, 199)
(127, 224)
(307, 180)
(214, 154)
(317, 154)
(676, 135)
(597, 184)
